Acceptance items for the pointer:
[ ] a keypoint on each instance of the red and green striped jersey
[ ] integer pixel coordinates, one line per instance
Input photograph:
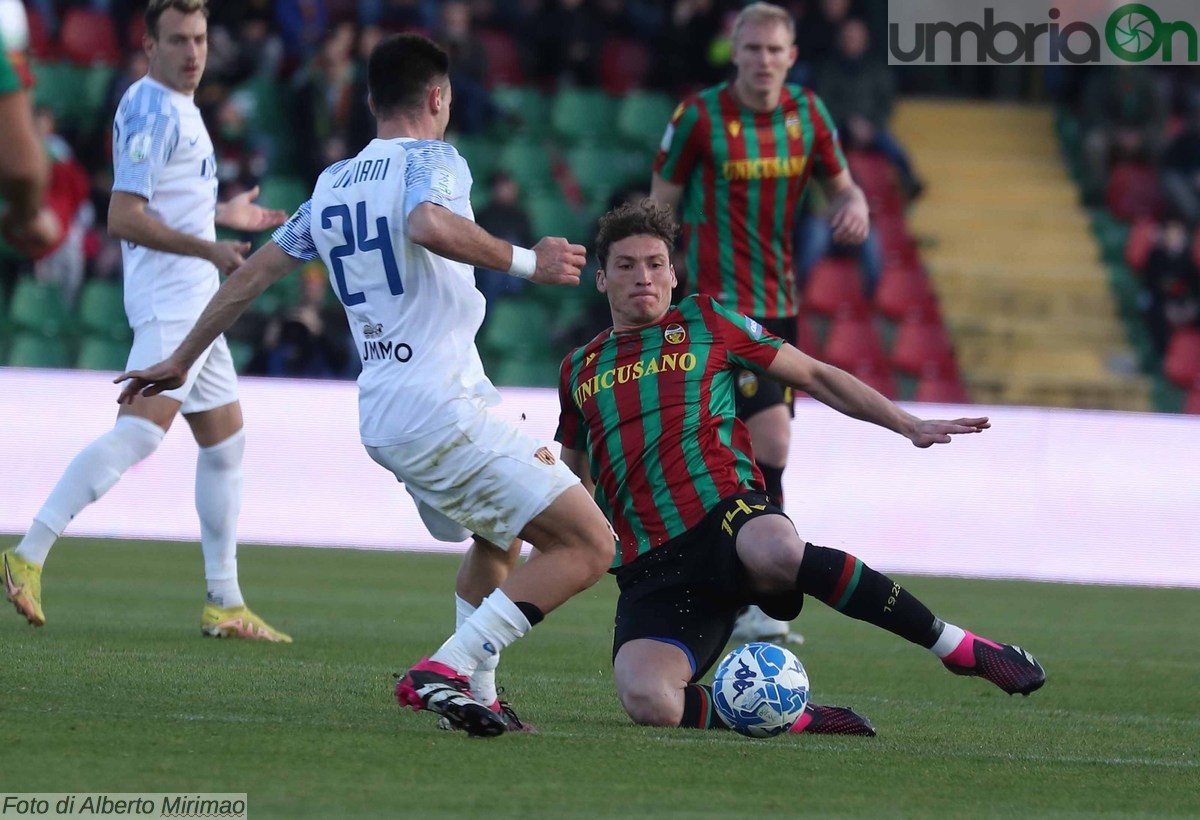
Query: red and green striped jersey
(744, 173)
(654, 410)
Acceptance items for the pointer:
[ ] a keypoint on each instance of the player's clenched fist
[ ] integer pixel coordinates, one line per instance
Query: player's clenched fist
(558, 261)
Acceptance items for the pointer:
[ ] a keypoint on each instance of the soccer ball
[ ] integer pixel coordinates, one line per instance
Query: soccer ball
(760, 689)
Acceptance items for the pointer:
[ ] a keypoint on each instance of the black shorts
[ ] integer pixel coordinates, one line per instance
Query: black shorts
(688, 591)
(756, 393)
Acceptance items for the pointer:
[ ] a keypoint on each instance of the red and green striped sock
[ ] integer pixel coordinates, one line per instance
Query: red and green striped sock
(698, 709)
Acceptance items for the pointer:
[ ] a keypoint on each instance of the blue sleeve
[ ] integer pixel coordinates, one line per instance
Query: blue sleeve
(430, 175)
(145, 144)
(295, 235)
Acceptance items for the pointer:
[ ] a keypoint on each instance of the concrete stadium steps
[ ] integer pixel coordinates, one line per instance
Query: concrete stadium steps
(1010, 253)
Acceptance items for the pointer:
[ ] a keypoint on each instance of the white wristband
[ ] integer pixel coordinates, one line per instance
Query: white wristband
(524, 263)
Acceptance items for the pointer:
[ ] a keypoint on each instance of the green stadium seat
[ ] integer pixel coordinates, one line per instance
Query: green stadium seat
(518, 371)
(30, 350)
(580, 115)
(75, 94)
(242, 352)
(39, 308)
(516, 327)
(102, 311)
(99, 353)
(481, 155)
(286, 193)
(527, 111)
(597, 169)
(642, 118)
(529, 163)
(552, 216)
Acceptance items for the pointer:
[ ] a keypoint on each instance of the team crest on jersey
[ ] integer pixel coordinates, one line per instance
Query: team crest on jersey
(747, 384)
(735, 128)
(371, 331)
(793, 126)
(674, 333)
(545, 456)
(138, 147)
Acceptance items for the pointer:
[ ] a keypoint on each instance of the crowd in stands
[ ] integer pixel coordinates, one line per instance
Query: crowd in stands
(1132, 136)
(559, 106)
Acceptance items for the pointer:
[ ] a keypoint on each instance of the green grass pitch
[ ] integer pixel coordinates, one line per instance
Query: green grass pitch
(120, 693)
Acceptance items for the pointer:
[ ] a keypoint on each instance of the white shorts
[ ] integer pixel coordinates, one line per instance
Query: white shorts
(212, 381)
(479, 475)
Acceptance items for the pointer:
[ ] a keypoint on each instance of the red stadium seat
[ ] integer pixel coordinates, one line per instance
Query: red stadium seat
(834, 284)
(137, 29)
(41, 46)
(1139, 244)
(504, 61)
(624, 65)
(806, 337)
(1133, 192)
(853, 343)
(902, 289)
(939, 389)
(1182, 362)
(874, 174)
(895, 241)
(88, 37)
(1192, 405)
(922, 344)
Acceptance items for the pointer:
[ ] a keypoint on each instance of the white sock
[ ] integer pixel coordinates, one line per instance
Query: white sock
(483, 679)
(496, 624)
(90, 475)
(218, 501)
(948, 641)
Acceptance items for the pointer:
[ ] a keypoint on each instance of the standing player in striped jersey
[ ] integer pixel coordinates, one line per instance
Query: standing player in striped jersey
(395, 228)
(164, 209)
(647, 418)
(738, 158)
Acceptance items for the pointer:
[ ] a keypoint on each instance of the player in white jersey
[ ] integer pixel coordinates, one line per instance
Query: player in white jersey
(395, 228)
(164, 209)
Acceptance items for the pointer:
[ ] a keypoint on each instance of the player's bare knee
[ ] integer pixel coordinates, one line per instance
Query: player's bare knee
(652, 703)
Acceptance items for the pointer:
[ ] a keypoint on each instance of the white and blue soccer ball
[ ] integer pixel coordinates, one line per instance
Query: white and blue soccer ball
(760, 689)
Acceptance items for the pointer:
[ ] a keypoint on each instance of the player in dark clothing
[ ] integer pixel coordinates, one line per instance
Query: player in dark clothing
(647, 420)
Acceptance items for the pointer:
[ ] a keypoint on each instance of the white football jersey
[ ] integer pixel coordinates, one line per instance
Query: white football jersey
(413, 314)
(162, 152)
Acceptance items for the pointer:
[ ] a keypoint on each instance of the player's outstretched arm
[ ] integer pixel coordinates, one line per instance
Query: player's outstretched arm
(846, 394)
(241, 214)
(267, 266)
(552, 261)
(849, 215)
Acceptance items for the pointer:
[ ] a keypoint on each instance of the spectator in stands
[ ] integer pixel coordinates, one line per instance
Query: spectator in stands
(67, 197)
(310, 340)
(473, 108)
(817, 33)
(1181, 168)
(693, 26)
(1124, 117)
(398, 15)
(860, 93)
(814, 239)
(567, 47)
(503, 216)
(1172, 285)
(321, 110)
(241, 161)
(360, 126)
(302, 24)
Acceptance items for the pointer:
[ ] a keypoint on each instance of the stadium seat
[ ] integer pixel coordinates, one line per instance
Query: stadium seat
(939, 389)
(901, 290)
(806, 337)
(516, 328)
(853, 344)
(529, 163)
(596, 169)
(137, 30)
(503, 59)
(481, 154)
(519, 371)
(41, 45)
(874, 174)
(526, 109)
(642, 119)
(241, 352)
(97, 353)
(29, 350)
(581, 114)
(1133, 192)
(88, 37)
(550, 215)
(286, 193)
(39, 309)
(1182, 363)
(624, 65)
(102, 310)
(1139, 243)
(1192, 405)
(835, 284)
(880, 377)
(921, 344)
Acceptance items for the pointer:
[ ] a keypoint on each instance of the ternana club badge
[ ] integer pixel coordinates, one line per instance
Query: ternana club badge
(544, 455)
(674, 333)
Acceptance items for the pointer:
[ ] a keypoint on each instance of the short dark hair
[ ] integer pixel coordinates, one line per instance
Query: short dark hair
(401, 69)
(645, 218)
(155, 9)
